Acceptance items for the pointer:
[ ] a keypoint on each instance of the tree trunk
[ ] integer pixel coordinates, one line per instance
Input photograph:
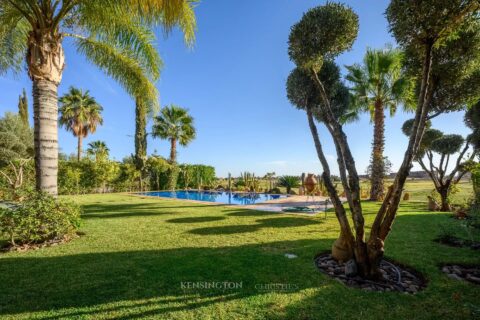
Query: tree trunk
(382, 224)
(79, 147)
(173, 150)
(45, 60)
(45, 111)
(140, 138)
(378, 167)
(342, 249)
(445, 204)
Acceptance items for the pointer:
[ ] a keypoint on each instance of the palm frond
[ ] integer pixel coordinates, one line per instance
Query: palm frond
(169, 13)
(166, 13)
(14, 29)
(116, 25)
(120, 64)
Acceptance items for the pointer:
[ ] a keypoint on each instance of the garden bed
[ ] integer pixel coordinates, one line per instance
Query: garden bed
(395, 277)
(8, 247)
(453, 241)
(470, 273)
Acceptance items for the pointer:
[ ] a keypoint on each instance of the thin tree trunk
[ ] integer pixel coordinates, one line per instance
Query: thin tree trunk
(382, 224)
(45, 110)
(173, 150)
(79, 147)
(342, 249)
(351, 184)
(378, 167)
(140, 138)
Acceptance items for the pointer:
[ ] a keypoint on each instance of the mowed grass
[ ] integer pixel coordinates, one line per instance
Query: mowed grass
(136, 253)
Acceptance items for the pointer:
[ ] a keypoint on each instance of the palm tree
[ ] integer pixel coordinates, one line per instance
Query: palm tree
(98, 149)
(175, 124)
(112, 34)
(80, 114)
(380, 84)
(289, 182)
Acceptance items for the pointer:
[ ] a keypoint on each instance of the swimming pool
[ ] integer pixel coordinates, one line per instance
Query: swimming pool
(216, 196)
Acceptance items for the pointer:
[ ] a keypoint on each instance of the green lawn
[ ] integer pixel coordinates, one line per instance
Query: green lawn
(136, 252)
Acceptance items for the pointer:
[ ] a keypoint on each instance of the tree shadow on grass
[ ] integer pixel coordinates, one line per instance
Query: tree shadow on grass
(195, 219)
(148, 283)
(279, 222)
(250, 213)
(121, 210)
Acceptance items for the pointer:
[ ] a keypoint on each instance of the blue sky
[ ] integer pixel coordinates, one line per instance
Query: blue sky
(233, 83)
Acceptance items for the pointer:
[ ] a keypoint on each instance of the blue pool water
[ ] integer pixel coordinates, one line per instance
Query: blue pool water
(216, 196)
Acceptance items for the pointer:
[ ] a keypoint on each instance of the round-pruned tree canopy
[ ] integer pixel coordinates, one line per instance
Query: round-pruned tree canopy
(323, 33)
(408, 126)
(414, 22)
(455, 73)
(472, 120)
(301, 90)
(303, 93)
(472, 117)
(447, 144)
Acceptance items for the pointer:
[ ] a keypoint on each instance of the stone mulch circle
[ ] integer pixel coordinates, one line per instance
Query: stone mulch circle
(462, 272)
(394, 276)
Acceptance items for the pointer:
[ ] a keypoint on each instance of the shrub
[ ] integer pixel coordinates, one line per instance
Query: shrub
(275, 191)
(476, 181)
(172, 176)
(38, 219)
(289, 182)
(474, 214)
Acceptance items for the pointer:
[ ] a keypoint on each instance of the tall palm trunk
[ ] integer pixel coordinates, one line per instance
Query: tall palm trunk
(378, 166)
(45, 111)
(45, 59)
(140, 138)
(79, 147)
(173, 150)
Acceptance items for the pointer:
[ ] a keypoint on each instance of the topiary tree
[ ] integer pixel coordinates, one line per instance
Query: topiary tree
(323, 33)
(445, 146)
(455, 80)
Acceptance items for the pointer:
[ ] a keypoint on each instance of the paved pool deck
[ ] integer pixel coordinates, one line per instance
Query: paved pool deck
(319, 204)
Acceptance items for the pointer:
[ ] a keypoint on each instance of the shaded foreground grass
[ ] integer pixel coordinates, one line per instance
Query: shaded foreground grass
(137, 252)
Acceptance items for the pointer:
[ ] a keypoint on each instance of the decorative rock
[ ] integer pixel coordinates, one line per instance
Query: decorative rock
(351, 268)
(456, 270)
(454, 276)
(473, 279)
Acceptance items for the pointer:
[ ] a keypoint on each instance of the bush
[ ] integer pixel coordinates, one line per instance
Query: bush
(289, 182)
(275, 191)
(172, 177)
(38, 219)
